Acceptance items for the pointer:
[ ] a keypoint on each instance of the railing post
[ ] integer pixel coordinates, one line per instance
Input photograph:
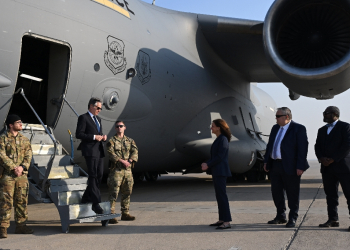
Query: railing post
(49, 166)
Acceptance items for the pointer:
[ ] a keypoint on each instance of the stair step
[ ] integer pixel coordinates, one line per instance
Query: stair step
(98, 218)
(71, 184)
(46, 149)
(36, 192)
(37, 137)
(62, 172)
(70, 197)
(34, 127)
(84, 210)
(60, 160)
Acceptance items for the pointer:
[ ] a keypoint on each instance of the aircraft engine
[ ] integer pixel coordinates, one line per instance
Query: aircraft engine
(307, 43)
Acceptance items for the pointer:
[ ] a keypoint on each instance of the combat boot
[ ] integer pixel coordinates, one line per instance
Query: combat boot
(113, 221)
(3, 232)
(127, 217)
(23, 229)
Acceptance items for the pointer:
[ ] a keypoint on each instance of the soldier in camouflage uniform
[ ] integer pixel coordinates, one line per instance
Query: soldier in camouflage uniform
(15, 158)
(123, 154)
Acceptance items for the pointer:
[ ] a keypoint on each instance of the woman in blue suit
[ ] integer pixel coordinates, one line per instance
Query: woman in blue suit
(220, 170)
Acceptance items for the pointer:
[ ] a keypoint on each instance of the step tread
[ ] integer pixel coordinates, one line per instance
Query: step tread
(85, 210)
(98, 218)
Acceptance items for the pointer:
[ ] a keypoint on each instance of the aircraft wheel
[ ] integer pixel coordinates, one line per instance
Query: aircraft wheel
(151, 176)
(138, 177)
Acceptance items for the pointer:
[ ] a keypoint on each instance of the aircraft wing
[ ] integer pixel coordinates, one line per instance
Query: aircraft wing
(239, 43)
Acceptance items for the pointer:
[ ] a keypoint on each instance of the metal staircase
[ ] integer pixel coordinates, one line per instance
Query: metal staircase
(54, 177)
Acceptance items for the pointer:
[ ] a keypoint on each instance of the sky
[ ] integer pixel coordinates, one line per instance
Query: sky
(307, 111)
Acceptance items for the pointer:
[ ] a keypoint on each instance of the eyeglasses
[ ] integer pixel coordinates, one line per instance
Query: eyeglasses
(278, 116)
(98, 108)
(327, 113)
(119, 126)
(19, 122)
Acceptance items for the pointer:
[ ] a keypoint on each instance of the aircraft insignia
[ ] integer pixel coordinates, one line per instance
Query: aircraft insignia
(143, 67)
(114, 57)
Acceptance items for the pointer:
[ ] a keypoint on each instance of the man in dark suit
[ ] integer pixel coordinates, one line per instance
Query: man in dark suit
(333, 152)
(89, 130)
(285, 159)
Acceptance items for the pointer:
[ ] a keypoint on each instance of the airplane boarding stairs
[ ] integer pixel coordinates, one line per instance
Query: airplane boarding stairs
(53, 177)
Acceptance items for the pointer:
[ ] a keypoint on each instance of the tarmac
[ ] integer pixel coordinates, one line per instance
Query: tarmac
(175, 211)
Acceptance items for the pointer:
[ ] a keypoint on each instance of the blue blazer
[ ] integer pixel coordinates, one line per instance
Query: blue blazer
(294, 147)
(218, 162)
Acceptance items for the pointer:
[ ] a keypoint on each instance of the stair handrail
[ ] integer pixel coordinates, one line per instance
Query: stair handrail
(75, 112)
(49, 165)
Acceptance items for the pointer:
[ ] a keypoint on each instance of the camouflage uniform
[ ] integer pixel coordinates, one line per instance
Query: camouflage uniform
(14, 151)
(119, 177)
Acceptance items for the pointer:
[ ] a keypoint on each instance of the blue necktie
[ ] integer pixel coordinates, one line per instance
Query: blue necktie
(97, 125)
(277, 142)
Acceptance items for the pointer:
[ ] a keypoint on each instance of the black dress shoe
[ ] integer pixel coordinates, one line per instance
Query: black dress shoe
(330, 223)
(223, 227)
(349, 229)
(97, 209)
(277, 221)
(291, 223)
(216, 224)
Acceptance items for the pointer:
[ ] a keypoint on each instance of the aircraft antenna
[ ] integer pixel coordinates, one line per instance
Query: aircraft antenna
(154, 2)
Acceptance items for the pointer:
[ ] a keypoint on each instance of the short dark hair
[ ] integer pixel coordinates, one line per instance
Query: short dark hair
(335, 110)
(93, 101)
(118, 122)
(286, 111)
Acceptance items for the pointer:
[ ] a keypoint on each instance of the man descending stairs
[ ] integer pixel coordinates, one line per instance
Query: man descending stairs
(54, 177)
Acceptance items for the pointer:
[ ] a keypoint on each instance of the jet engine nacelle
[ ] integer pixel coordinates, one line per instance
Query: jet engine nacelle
(307, 43)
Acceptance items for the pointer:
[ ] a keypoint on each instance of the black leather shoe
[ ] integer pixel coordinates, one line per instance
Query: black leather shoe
(330, 223)
(97, 209)
(291, 223)
(277, 221)
(217, 224)
(349, 229)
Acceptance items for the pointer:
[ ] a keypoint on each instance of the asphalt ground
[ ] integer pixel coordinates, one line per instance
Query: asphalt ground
(175, 211)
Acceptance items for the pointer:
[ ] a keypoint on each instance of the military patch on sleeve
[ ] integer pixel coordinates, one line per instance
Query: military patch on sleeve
(109, 144)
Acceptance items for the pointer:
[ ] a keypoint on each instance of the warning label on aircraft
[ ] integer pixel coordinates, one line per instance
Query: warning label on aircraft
(143, 67)
(114, 57)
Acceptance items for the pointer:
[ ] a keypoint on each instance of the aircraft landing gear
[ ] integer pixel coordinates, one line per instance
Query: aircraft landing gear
(151, 176)
(138, 177)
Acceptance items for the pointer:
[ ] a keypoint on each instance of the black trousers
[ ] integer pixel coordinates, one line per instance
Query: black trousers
(95, 171)
(331, 184)
(221, 198)
(282, 183)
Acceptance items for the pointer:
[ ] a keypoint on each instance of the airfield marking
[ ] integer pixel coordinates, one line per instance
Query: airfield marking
(295, 233)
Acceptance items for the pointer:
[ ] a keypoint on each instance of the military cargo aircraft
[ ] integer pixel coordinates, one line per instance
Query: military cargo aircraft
(168, 74)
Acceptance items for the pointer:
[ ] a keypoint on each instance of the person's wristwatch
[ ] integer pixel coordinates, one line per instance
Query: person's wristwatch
(130, 161)
(24, 168)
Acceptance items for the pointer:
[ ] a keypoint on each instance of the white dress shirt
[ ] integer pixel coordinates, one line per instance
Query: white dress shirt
(92, 117)
(278, 153)
(331, 127)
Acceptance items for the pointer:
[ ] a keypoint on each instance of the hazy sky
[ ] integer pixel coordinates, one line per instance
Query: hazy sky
(306, 111)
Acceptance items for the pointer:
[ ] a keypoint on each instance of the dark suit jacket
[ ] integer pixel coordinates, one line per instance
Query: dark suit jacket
(336, 145)
(86, 129)
(294, 147)
(218, 162)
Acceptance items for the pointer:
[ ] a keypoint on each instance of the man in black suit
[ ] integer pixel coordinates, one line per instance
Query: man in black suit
(89, 130)
(333, 152)
(285, 159)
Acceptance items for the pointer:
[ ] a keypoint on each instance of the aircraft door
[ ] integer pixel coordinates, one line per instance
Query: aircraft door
(43, 75)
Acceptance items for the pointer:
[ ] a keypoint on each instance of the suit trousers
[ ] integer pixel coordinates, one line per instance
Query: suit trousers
(282, 183)
(95, 171)
(330, 184)
(221, 198)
